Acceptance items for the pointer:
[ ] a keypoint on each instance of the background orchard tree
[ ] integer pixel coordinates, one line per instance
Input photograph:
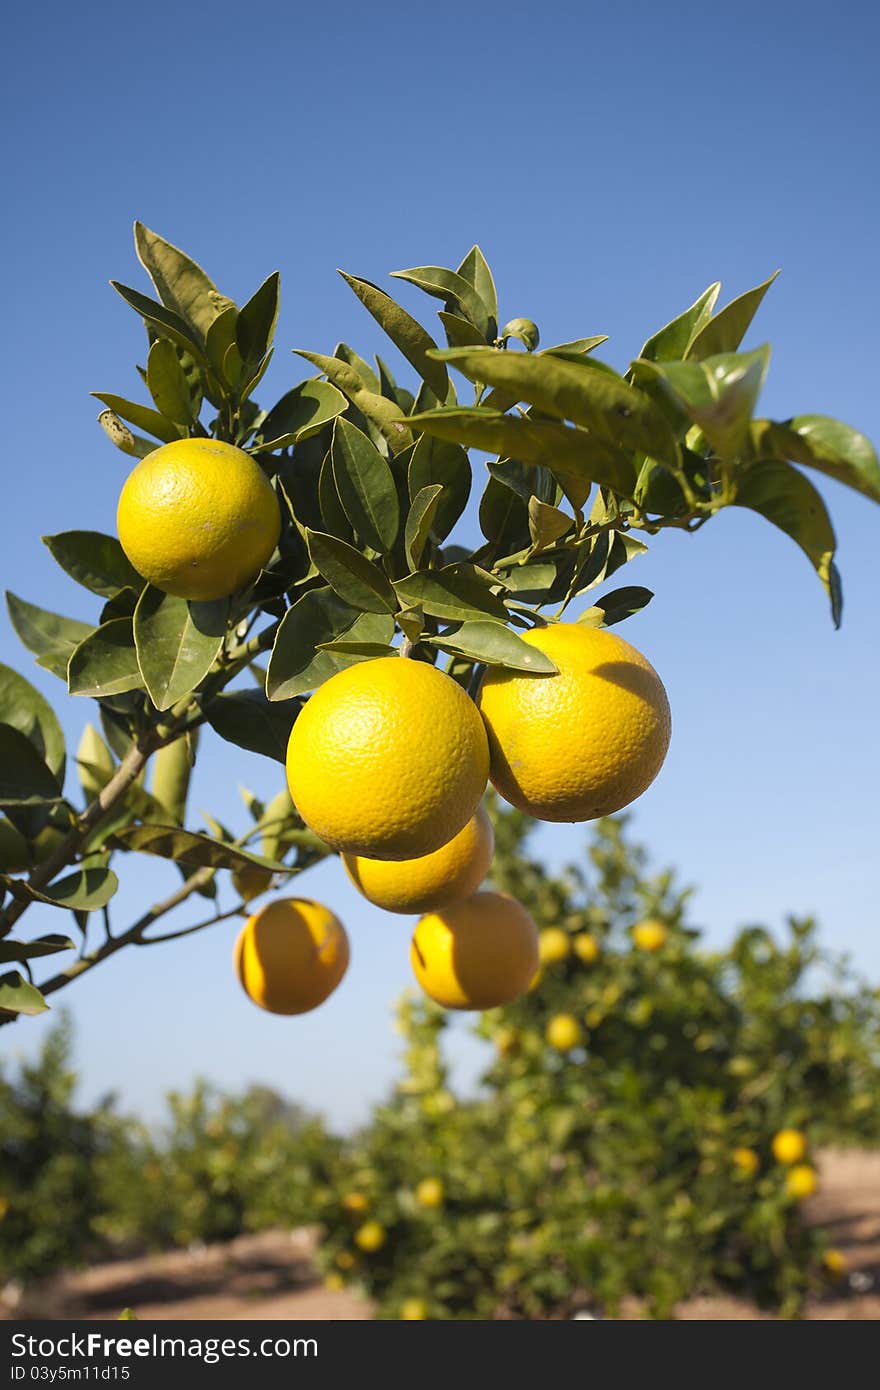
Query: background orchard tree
(371, 479)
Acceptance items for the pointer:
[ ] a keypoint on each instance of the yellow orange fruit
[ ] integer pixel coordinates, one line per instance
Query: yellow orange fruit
(334, 1283)
(563, 1032)
(586, 947)
(789, 1146)
(291, 955)
(581, 743)
(801, 1181)
(450, 873)
(355, 1201)
(198, 518)
(345, 1259)
(413, 1310)
(835, 1263)
(650, 936)
(554, 945)
(746, 1161)
(388, 759)
(476, 954)
(370, 1237)
(430, 1192)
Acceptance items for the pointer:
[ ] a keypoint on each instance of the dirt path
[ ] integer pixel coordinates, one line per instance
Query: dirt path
(271, 1276)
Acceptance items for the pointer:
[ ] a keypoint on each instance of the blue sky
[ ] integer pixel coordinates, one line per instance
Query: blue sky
(611, 162)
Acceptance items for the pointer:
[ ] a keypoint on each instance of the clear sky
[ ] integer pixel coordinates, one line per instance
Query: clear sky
(611, 161)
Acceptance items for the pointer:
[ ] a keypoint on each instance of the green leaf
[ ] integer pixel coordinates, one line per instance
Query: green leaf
(249, 720)
(85, 890)
(141, 416)
(167, 383)
(362, 651)
(456, 592)
(25, 778)
(786, 498)
(494, 645)
(49, 636)
(24, 708)
(354, 578)
(189, 847)
(411, 622)
(384, 414)
(219, 339)
(346, 353)
(718, 394)
(614, 607)
(106, 662)
(572, 455)
(257, 320)
(824, 444)
(177, 643)
(119, 434)
(441, 461)
(17, 996)
(405, 332)
(32, 950)
(573, 389)
(402, 398)
(671, 342)
(546, 524)
(366, 487)
(475, 269)
(503, 516)
(164, 322)
(303, 412)
(459, 332)
(457, 293)
(297, 664)
(94, 762)
(94, 560)
(180, 283)
(726, 330)
(418, 523)
(333, 518)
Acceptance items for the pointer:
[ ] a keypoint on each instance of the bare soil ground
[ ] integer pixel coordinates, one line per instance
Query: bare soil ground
(271, 1276)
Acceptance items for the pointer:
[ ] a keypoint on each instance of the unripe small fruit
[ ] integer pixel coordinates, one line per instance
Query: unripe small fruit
(554, 945)
(370, 1237)
(650, 935)
(563, 1032)
(430, 1192)
(789, 1146)
(586, 947)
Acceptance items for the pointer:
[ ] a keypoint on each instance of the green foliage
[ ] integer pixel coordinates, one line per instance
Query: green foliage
(580, 1178)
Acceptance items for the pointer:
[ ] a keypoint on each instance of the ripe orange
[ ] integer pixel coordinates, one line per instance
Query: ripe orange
(476, 954)
(789, 1146)
(450, 873)
(291, 955)
(563, 1032)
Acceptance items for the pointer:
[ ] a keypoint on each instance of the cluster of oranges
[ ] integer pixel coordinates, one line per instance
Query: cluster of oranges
(389, 759)
(789, 1147)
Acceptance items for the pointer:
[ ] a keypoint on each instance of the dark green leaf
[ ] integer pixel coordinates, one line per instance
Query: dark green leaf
(456, 292)
(106, 662)
(24, 708)
(303, 412)
(494, 645)
(366, 488)
(362, 651)
(248, 719)
(461, 333)
(333, 518)
(19, 997)
(257, 320)
(441, 461)
(188, 847)
(411, 622)
(614, 607)
(824, 444)
(726, 330)
(418, 522)
(784, 496)
(177, 643)
(402, 398)
(672, 342)
(345, 353)
(24, 777)
(49, 636)
(82, 891)
(546, 524)
(180, 283)
(297, 664)
(384, 414)
(169, 386)
(404, 331)
(504, 517)
(142, 417)
(457, 592)
(164, 321)
(350, 574)
(31, 950)
(94, 560)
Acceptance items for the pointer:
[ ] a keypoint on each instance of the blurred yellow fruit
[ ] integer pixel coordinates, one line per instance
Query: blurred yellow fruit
(650, 936)
(746, 1161)
(450, 873)
(370, 1237)
(475, 954)
(563, 1032)
(198, 518)
(345, 1259)
(334, 1283)
(554, 945)
(430, 1192)
(388, 759)
(413, 1309)
(251, 881)
(584, 742)
(835, 1263)
(586, 947)
(4, 1207)
(506, 1040)
(789, 1146)
(291, 955)
(355, 1201)
(801, 1181)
